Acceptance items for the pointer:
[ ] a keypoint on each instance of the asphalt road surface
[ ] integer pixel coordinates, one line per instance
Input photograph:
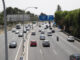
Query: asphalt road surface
(57, 51)
(11, 51)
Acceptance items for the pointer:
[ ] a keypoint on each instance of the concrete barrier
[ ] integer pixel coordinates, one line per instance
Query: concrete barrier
(20, 51)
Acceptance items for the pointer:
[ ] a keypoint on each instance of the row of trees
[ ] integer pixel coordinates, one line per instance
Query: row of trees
(10, 11)
(70, 20)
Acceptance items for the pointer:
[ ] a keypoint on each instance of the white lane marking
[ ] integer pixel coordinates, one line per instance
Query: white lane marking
(55, 52)
(18, 50)
(41, 51)
(63, 47)
(27, 47)
(72, 45)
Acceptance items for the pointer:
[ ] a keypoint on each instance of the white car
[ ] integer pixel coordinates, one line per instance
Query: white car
(20, 35)
(70, 38)
(17, 32)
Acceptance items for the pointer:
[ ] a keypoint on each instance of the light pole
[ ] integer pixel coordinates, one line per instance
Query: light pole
(5, 29)
(23, 23)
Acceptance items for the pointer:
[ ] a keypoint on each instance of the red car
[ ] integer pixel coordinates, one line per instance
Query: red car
(33, 43)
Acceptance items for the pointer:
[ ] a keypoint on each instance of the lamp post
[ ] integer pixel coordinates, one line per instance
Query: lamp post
(5, 29)
(23, 23)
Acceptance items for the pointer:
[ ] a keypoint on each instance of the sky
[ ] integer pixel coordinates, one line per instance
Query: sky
(46, 6)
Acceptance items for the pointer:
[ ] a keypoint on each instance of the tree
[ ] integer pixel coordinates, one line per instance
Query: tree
(59, 8)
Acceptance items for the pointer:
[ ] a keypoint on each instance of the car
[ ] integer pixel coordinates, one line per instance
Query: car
(70, 39)
(42, 37)
(17, 32)
(49, 33)
(20, 35)
(75, 57)
(33, 33)
(46, 26)
(27, 29)
(50, 28)
(24, 31)
(13, 30)
(13, 44)
(39, 25)
(46, 43)
(18, 26)
(33, 43)
(53, 31)
(42, 32)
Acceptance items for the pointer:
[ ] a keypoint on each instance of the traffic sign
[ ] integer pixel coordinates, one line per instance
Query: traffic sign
(46, 17)
(50, 17)
(43, 17)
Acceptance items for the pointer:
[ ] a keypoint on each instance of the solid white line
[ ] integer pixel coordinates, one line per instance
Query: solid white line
(41, 51)
(55, 52)
(18, 50)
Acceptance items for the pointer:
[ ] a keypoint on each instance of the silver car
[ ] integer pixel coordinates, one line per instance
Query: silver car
(49, 33)
(13, 44)
(17, 32)
(46, 43)
(70, 39)
(20, 35)
(42, 37)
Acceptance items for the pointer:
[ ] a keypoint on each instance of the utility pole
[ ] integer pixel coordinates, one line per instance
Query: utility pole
(5, 30)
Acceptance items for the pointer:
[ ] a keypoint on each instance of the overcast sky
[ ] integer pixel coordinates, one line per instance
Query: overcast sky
(45, 6)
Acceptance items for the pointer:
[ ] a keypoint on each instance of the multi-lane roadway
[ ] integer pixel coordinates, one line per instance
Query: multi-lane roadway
(60, 50)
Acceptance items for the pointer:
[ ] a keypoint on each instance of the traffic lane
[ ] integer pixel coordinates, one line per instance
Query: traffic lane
(13, 51)
(34, 52)
(57, 49)
(2, 45)
(67, 45)
(76, 43)
(46, 52)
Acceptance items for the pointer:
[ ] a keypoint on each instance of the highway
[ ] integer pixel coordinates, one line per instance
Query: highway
(11, 52)
(57, 51)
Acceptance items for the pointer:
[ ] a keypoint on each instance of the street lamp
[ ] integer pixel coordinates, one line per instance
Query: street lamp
(5, 29)
(23, 23)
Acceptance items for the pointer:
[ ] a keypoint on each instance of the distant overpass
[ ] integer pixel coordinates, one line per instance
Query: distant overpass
(18, 17)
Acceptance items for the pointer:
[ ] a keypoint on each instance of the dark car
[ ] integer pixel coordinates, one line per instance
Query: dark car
(46, 43)
(33, 43)
(42, 32)
(13, 44)
(53, 31)
(39, 25)
(46, 26)
(75, 57)
(33, 33)
(49, 33)
(18, 26)
(50, 28)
